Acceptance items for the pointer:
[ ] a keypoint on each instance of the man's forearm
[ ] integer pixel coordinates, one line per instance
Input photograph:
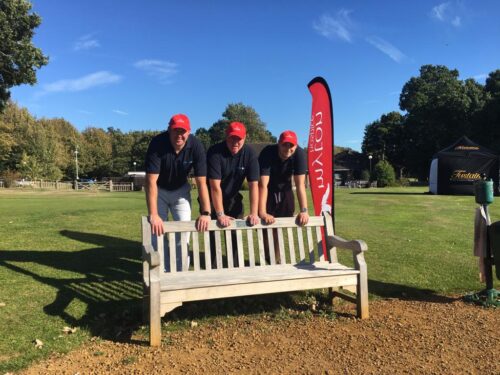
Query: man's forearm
(152, 198)
(253, 197)
(201, 183)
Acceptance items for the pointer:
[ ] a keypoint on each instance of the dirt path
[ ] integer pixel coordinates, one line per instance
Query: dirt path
(401, 337)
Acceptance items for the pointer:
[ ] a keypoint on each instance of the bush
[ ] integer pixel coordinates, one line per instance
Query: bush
(365, 175)
(9, 177)
(384, 174)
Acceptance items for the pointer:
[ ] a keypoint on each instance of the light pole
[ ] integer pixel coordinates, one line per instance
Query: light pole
(134, 165)
(76, 163)
(370, 159)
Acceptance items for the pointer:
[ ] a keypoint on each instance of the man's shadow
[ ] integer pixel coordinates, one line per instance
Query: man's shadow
(107, 280)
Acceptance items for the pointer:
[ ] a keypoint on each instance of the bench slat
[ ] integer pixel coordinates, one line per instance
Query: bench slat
(270, 245)
(229, 249)
(281, 244)
(260, 239)
(184, 251)
(172, 252)
(251, 252)
(239, 241)
(291, 245)
(208, 255)
(196, 251)
(218, 250)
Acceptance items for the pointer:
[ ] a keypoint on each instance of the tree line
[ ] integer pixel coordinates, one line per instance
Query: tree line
(45, 148)
(438, 108)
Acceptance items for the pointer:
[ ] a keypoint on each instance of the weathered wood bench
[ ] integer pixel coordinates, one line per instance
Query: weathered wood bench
(302, 265)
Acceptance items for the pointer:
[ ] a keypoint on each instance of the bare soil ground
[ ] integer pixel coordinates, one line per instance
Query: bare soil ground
(401, 337)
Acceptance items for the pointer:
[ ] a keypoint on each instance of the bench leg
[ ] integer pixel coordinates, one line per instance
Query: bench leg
(362, 295)
(154, 314)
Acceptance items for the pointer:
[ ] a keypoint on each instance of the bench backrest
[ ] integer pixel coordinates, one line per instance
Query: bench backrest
(296, 244)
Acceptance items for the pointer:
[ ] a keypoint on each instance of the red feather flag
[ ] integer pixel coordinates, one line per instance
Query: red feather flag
(320, 149)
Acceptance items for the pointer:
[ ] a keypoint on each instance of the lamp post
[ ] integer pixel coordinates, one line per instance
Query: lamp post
(76, 163)
(370, 159)
(134, 165)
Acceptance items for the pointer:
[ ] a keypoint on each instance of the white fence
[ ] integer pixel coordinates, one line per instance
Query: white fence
(107, 186)
(57, 185)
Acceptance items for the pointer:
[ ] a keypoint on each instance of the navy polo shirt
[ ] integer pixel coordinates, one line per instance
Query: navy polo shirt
(232, 169)
(280, 171)
(173, 169)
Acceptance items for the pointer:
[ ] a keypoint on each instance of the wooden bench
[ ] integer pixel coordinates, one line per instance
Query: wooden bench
(302, 265)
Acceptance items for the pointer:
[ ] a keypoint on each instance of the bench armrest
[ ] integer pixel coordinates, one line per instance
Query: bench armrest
(357, 246)
(150, 255)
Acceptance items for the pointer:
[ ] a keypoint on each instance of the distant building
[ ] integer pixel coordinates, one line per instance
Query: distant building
(349, 165)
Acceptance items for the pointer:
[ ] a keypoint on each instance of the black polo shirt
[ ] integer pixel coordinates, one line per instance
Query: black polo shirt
(232, 169)
(173, 169)
(280, 171)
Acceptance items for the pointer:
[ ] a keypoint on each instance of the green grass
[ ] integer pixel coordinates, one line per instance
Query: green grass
(73, 259)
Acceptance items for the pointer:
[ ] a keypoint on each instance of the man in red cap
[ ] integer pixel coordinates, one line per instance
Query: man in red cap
(229, 163)
(278, 163)
(170, 157)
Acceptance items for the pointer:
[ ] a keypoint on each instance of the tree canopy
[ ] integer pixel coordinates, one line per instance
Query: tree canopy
(19, 58)
(256, 129)
(439, 108)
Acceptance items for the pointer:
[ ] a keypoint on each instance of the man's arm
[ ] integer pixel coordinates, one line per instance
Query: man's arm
(152, 201)
(253, 195)
(263, 193)
(300, 188)
(203, 220)
(216, 192)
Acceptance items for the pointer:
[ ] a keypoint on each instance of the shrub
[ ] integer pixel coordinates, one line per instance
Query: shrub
(365, 175)
(9, 177)
(384, 174)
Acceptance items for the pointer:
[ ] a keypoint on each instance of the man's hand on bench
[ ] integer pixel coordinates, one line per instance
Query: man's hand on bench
(156, 224)
(202, 223)
(224, 220)
(253, 219)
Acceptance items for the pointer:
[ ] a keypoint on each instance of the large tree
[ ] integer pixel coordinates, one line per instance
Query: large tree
(440, 109)
(19, 58)
(384, 140)
(256, 128)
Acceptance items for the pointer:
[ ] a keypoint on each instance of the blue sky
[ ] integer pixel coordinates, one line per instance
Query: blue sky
(133, 64)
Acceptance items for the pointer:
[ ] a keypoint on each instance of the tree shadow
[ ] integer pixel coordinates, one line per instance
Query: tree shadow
(107, 280)
(387, 193)
(407, 293)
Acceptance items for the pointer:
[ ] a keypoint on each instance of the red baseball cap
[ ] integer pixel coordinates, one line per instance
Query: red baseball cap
(237, 129)
(179, 121)
(288, 136)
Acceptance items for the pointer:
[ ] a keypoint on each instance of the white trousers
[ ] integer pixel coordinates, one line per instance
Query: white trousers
(178, 203)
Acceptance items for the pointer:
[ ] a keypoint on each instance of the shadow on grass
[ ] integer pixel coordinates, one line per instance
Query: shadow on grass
(388, 193)
(404, 292)
(107, 281)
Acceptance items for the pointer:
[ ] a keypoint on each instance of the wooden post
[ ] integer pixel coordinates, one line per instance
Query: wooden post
(110, 185)
(131, 186)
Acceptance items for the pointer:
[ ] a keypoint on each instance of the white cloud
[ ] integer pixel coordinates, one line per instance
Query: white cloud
(86, 42)
(386, 48)
(339, 26)
(84, 112)
(439, 10)
(447, 13)
(163, 70)
(89, 81)
(118, 112)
